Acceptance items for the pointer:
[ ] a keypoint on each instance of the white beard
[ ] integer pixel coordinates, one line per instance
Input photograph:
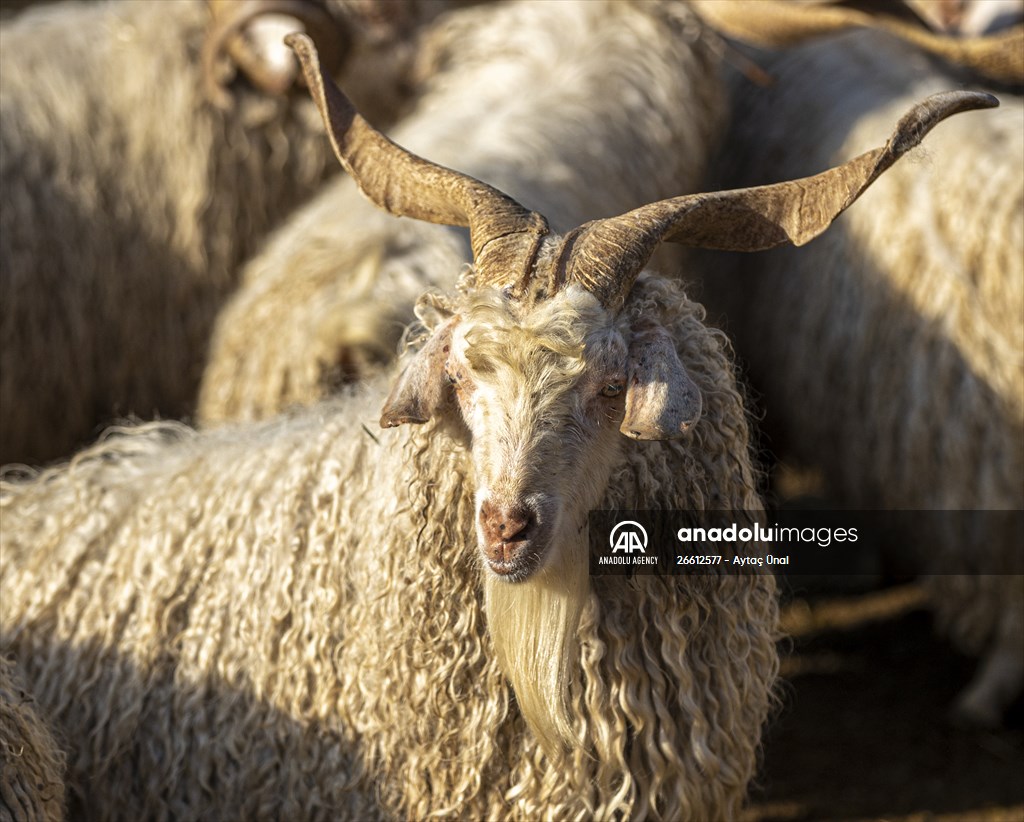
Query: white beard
(533, 625)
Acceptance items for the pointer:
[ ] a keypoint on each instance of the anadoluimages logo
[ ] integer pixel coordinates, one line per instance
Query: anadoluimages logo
(627, 537)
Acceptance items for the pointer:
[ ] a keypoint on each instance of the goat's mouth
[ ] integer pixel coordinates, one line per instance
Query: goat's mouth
(514, 560)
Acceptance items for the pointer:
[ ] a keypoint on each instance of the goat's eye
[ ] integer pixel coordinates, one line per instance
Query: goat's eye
(612, 389)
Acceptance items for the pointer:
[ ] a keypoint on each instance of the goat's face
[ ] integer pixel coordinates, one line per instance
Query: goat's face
(544, 391)
(542, 395)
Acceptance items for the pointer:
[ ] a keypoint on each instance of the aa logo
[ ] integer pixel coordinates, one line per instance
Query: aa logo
(628, 537)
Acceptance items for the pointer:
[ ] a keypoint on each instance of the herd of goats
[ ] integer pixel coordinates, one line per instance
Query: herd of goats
(295, 497)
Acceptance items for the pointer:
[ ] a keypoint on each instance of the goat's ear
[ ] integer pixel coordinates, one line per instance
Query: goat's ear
(422, 388)
(662, 401)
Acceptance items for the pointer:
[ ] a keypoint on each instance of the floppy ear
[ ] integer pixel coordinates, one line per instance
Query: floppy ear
(422, 388)
(662, 402)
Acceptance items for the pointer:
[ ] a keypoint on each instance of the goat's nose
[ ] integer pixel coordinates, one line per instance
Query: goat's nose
(504, 524)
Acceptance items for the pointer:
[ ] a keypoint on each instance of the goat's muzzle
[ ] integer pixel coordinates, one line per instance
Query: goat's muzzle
(513, 538)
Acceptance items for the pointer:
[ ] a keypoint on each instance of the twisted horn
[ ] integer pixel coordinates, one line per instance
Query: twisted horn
(606, 256)
(224, 41)
(777, 24)
(504, 235)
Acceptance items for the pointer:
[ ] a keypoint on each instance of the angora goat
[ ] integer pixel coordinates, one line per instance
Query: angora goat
(890, 353)
(299, 619)
(579, 110)
(129, 203)
(31, 763)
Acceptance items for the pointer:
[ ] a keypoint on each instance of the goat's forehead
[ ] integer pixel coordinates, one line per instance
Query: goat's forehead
(568, 326)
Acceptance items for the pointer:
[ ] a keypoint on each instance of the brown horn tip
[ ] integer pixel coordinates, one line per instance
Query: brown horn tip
(922, 118)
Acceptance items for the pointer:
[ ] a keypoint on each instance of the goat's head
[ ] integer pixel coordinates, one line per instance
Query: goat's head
(545, 359)
(543, 385)
(541, 388)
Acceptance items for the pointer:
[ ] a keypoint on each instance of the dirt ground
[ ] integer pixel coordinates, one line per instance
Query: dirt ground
(863, 732)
